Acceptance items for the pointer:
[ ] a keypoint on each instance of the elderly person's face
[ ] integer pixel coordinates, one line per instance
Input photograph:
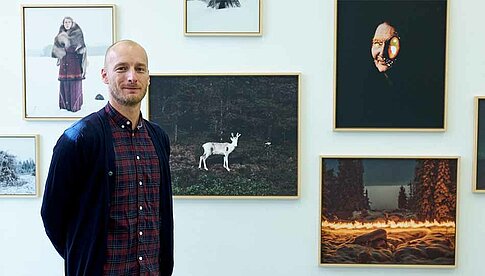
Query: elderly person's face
(385, 47)
(67, 23)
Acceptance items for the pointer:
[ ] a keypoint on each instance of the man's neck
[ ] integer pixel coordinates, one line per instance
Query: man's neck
(132, 113)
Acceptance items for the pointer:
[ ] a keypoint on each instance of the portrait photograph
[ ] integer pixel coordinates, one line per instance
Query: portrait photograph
(63, 53)
(223, 17)
(232, 135)
(388, 211)
(19, 165)
(390, 65)
(479, 149)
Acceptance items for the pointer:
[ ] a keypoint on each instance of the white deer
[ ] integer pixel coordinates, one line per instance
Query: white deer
(225, 149)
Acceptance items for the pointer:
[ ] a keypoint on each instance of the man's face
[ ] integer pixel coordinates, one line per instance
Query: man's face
(384, 32)
(126, 74)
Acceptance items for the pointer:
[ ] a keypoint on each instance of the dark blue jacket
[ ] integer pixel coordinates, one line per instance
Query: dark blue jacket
(81, 179)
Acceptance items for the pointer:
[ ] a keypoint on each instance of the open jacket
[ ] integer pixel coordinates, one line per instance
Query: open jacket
(76, 203)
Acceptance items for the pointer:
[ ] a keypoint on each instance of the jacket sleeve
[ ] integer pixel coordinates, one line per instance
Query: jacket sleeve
(59, 194)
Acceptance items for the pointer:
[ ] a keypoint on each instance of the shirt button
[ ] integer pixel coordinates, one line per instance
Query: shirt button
(141, 233)
(140, 258)
(138, 157)
(122, 126)
(141, 207)
(128, 122)
(110, 173)
(141, 183)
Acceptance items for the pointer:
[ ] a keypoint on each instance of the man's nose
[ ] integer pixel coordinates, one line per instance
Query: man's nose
(131, 76)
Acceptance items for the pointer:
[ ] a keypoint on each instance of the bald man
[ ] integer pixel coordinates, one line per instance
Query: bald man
(107, 205)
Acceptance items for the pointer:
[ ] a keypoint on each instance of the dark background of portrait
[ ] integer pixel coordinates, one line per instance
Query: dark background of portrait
(480, 181)
(416, 98)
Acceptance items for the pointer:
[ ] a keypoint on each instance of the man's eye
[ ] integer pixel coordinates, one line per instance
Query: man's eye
(120, 68)
(376, 43)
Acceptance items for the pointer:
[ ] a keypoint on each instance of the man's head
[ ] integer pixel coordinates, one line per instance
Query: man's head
(385, 46)
(126, 73)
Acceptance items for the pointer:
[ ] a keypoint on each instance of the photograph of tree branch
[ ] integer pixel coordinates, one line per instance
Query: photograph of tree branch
(388, 211)
(232, 135)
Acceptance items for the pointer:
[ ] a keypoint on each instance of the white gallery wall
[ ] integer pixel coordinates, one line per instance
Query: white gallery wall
(257, 237)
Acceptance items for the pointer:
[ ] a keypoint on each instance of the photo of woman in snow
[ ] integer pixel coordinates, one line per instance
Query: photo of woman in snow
(70, 50)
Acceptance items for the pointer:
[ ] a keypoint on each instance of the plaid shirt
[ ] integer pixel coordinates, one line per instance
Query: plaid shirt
(133, 243)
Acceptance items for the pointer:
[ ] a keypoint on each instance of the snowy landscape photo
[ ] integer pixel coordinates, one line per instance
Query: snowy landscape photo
(223, 17)
(18, 165)
(43, 81)
(388, 211)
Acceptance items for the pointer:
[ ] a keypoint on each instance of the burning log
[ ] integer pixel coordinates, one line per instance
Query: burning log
(374, 239)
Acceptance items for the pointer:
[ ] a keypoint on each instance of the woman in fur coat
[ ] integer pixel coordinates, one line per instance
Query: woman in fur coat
(70, 51)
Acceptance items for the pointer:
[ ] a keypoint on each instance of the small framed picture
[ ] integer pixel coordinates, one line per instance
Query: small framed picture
(385, 79)
(232, 135)
(19, 166)
(388, 211)
(222, 17)
(63, 53)
(479, 149)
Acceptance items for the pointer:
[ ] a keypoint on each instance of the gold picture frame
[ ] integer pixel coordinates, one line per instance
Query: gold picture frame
(252, 116)
(223, 17)
(20, 165)
(61, 66)
(388, 211)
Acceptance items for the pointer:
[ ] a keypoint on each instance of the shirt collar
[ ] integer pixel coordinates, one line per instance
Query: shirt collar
(121, 120)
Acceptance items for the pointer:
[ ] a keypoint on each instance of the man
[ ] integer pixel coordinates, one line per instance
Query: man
(107, 204)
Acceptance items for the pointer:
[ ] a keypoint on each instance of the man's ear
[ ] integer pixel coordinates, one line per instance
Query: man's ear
(104, 76)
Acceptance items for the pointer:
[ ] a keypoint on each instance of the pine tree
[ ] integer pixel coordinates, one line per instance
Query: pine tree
(442, 197)
(8, 174)
(329, 192)
(367, 200)
(428, 178)
(350, 181)
(402, 200)
(221, 4)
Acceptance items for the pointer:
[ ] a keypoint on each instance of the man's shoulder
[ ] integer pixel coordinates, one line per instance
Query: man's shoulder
(88, 126)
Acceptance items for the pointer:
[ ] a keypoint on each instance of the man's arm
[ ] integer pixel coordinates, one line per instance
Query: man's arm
(59, 193)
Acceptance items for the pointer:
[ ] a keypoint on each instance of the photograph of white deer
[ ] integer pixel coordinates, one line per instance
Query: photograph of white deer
(232, 135)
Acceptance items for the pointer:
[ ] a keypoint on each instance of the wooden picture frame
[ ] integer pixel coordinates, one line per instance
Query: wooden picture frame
(223, 17)
(254, 117)
(396, 211)
(385, 79)
(19, 166)
(61, 66)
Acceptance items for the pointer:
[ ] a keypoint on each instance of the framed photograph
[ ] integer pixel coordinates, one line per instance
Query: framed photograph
(222, 17)
(390, 65)
(232, 135)
(19, 166)
(388, 211)
(479, 149)
(63, 53)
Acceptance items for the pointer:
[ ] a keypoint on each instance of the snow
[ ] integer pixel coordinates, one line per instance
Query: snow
(201, 18)
(26, 186)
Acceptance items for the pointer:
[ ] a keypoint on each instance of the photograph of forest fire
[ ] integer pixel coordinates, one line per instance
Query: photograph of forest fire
(398, 211)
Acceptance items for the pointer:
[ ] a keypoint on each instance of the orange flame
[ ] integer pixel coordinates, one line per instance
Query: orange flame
(388, 224)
